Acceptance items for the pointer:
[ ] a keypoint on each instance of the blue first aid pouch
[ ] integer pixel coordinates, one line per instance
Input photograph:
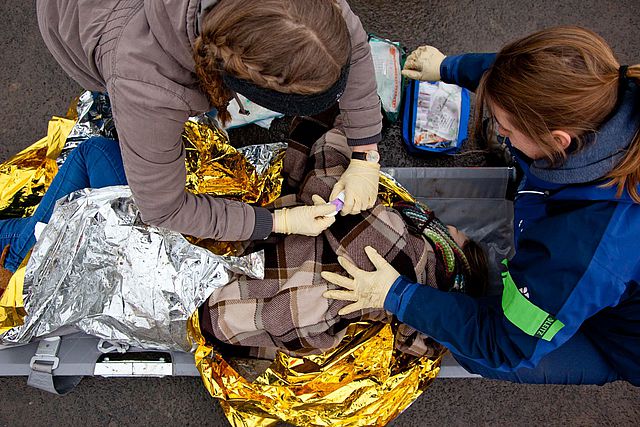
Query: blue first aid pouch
(435, 117)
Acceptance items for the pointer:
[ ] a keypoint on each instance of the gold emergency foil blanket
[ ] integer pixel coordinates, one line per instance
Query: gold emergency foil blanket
(390, 191)
(25, 177)
(12, 312)
(250, 174)
(215, 167)
(362, 382)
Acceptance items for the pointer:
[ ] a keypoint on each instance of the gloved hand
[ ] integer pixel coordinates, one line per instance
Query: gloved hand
(360, 185)
(424, 64)
(368, 289)
(305, 220)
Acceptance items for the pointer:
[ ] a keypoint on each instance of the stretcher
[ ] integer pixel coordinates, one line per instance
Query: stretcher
(476, 200)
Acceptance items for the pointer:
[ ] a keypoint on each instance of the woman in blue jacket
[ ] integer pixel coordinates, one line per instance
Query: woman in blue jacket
(570, 308)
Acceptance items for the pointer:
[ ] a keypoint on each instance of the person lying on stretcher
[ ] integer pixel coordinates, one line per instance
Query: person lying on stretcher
(287, 311)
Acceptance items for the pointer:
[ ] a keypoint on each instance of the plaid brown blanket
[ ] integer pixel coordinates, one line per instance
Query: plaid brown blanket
(286, 309)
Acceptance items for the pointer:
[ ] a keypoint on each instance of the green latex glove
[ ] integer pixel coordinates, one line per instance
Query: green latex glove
(424, 64)
(305, 220)
(360, 185)
(367, 289)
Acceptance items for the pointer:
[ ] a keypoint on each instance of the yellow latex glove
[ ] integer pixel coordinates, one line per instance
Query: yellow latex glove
(368, 289)
(360, 185)
(305, 220)
(424, 64)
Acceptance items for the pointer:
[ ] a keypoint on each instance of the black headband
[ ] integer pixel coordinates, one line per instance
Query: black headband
(292, 104)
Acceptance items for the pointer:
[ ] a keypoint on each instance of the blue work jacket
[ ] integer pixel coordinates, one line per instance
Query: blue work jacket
(576, 266)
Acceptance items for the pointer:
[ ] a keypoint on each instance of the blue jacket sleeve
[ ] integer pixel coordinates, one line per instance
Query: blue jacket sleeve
(466, 70)
(571, 285)
(473, 328)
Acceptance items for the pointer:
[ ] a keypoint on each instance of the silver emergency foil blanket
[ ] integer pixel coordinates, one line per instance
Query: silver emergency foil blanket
(98, 268)
(94, 119)
(262, 155)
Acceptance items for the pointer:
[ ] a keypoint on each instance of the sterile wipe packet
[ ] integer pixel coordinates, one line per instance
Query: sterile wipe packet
(387, 61)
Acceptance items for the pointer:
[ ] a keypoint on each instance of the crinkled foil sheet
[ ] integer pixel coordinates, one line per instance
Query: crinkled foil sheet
(98, 268)
(92, 115)
(364, 381)
(25, 177)
(143, 298)
(12, 311)
(251, 174)
(390, 191)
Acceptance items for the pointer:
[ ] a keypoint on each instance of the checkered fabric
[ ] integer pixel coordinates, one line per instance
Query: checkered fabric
(286, 309)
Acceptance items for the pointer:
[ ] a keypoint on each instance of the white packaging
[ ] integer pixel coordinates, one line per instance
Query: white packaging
(387, 62)
(257, 114)
(438, 114)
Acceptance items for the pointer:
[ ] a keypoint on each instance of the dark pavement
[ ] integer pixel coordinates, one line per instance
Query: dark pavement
(33, 87)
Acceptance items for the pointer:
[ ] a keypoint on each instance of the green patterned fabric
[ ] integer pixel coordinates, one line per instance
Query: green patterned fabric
(451, 263)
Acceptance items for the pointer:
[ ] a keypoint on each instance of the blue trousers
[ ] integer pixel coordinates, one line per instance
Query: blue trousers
(95, 163)
(577, 361)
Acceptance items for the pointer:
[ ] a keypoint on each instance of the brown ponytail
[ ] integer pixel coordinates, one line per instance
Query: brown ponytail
(627, 173)
(291, 46)
(562, 78)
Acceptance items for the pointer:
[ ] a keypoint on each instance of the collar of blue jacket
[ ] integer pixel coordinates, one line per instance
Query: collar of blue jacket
(603, 149)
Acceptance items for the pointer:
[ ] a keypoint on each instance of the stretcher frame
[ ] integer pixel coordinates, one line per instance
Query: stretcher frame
(476, 200)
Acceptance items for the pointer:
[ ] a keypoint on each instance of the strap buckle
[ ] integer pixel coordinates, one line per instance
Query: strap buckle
(42, 366)
(46, 357)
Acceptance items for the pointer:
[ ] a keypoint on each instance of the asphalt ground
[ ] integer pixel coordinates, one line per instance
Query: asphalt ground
(33, 88)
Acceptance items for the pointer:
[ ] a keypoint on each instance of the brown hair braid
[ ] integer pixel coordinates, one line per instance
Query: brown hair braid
(563, 78)
(291, 46)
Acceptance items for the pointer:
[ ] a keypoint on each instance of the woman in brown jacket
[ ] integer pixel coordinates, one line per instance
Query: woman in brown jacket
(162, 61)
